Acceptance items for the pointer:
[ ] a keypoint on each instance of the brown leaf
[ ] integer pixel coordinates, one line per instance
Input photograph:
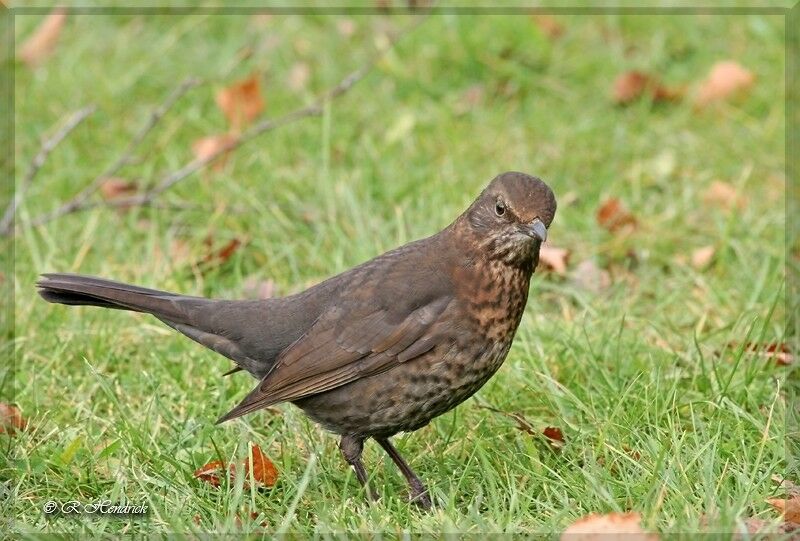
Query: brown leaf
(588, 276)
(205, 147)
(723, 195)
(42, 42)
(241, 102)
(629, 86)
(346, 27)
(726, 79)
(299, 75)
(548, 25)
(701, 257)
(218, 256)
(597, 527)
(554, 259)
(264, 471)
(11, 419)
(554, 436)
(115, 188)
(778, 351)
(632, 85)
(613, 216)
(790, 507)
(211, 472)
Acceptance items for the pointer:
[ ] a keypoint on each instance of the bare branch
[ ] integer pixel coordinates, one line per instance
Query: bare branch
(81, 201)
(48, 145)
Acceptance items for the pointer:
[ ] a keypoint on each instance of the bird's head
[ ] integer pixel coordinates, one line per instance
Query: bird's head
(510, 218)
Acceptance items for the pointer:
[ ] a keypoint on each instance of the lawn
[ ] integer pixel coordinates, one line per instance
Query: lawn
(663, 408)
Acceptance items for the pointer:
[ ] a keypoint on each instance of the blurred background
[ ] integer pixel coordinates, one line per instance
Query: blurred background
(655, 337)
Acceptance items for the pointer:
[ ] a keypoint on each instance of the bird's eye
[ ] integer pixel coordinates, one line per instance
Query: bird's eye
(500, 207)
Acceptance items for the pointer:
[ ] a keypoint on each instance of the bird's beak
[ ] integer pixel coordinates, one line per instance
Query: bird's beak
(537, 230)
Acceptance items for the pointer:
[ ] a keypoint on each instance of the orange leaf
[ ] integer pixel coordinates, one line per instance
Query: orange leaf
(42, 42)
(210, 473)
(554, 259)
(554, 436)
(548, 25)
(725, 80)
(778, 351)
(264, 471)
(206, 147)
(11, 419)
(701, 257)
(241, 102)
(613, 216)
(346, 27)
(596, 527)
(790, 507)
(723, 195)
(631, 85)
(114, 188)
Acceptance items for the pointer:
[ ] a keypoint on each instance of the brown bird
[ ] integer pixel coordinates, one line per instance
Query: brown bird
(383, 347)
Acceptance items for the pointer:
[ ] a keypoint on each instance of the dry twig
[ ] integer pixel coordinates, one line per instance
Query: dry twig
(82, 201)
(48, 145)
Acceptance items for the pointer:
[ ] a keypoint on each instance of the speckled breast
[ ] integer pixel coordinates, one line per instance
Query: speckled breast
(409, 395)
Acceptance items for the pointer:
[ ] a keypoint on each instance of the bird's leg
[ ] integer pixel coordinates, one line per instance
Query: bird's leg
(351, 447)
(419, 494)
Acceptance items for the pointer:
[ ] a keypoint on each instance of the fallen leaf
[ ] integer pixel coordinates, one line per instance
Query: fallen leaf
(597, 527)
(588, 276)
(548, 25)
(554, 436)
(613, 216)
(206, 147)
(11, 419)
(264, 472)
(346, 27)
(726, 79)
(778, 351)
(723, 195)
(211, 472)
(42, 42)
(241, 102)
(554, 259)
(632, 85)
(218, 256)
(629, 86)
(790, 507)
(299, 75)
(760, 526)
(255, 288)
(701, 257)
(115, 188)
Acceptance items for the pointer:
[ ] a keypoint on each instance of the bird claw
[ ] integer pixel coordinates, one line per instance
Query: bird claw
(421, 499)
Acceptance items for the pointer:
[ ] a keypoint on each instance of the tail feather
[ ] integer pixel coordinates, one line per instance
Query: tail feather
(78, 290)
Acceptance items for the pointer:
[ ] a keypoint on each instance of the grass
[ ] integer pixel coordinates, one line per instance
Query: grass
(662, 411)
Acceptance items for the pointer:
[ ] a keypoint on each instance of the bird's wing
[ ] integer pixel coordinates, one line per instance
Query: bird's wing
(356, 337)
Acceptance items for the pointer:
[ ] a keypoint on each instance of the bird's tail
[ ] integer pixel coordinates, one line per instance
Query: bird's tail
(79, 290)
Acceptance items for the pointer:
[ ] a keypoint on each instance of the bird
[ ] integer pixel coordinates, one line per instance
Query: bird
(382, 348)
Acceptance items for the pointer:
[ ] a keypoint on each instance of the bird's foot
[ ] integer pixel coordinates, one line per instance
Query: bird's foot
(419, 496)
